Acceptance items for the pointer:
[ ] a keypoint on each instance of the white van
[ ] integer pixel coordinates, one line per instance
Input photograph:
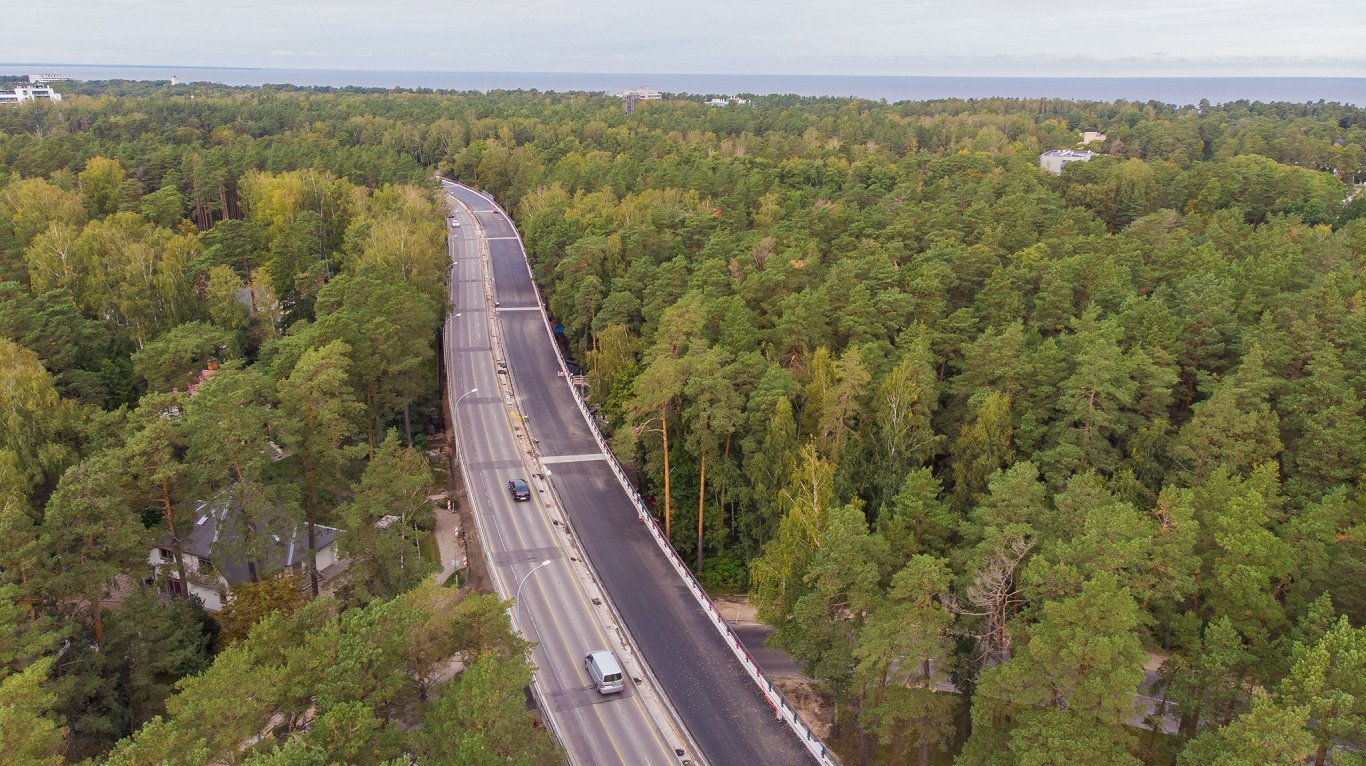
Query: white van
(602, 667)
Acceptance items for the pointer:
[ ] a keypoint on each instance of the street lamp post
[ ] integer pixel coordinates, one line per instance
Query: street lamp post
(517, 597)
(455, 415)
(462, 396)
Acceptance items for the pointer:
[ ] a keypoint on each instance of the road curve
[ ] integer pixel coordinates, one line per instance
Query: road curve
(728, 718)
(556, 609)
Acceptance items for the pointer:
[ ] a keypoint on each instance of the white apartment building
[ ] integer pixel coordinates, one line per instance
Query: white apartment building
(30, 92)
(1053, 161)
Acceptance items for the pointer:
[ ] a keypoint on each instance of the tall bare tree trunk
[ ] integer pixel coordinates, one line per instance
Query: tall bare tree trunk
(863, 746)
(407, 427)
(177, 548)
(313, 558)
(248, 531)
(701, 508)
(668, 510)
(726, 519)
(310, 495)
(371, 420)
(1156, 729)
(924, 741)
(28, 602)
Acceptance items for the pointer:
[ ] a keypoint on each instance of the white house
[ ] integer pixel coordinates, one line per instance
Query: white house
(1053, 161)
(31, 92)
(210, 565)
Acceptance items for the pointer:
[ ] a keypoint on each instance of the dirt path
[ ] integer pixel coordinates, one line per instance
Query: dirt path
(785, 671)
(457, 537)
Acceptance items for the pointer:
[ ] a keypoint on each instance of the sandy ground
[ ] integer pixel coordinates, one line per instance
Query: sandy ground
(776, 663)
(816, 710)
(1149, 701)
(454, 528)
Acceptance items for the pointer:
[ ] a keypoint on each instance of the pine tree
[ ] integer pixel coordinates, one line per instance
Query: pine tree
(28, 732)
(1329, 679)
(983, 447)
(319, 415)
(382, 522)
(903, 651)
(1235, 427)
(1267, 735)
(1082, 665)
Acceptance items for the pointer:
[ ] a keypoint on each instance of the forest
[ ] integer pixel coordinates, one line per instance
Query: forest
(233, 326)
(1024, 469)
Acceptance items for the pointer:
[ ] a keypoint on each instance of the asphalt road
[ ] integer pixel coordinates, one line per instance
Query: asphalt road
(556, 609)
(731, 722)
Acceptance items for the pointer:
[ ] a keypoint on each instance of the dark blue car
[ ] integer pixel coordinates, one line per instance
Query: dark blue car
(519, 490)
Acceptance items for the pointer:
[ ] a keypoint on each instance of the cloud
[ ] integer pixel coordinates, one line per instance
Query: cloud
(893, 37)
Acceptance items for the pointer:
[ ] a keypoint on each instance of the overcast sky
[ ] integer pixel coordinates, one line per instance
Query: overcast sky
(886, 37)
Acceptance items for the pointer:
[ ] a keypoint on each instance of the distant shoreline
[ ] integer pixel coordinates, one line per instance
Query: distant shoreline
(1172, 90)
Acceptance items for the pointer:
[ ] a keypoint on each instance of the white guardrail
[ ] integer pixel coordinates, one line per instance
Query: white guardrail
(781, 708)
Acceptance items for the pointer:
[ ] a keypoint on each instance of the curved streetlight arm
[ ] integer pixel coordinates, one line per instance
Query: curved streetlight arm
(462, 396)
(517, 597)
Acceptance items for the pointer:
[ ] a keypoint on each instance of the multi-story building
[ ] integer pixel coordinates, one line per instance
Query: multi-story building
(1053, 161)
(31, 92)
(641, 94)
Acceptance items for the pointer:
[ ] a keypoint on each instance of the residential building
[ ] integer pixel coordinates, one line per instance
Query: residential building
(1053, 161)
(32, 92)
(641, 94)
(211, 569)
(1091, 137)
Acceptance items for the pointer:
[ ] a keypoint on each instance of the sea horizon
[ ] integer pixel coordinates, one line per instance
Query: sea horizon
(1180, 91)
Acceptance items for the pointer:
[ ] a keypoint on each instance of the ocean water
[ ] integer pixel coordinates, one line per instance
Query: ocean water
(1172, 90)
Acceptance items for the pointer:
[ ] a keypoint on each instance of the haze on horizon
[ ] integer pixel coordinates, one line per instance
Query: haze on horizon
(1049, 38)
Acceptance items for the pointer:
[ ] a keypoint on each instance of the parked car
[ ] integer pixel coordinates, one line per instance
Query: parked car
(519, 490)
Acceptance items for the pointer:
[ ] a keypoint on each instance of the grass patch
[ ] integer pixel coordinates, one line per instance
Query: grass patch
(426, 545)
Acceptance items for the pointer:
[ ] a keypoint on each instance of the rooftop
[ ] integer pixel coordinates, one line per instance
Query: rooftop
(214, 527)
